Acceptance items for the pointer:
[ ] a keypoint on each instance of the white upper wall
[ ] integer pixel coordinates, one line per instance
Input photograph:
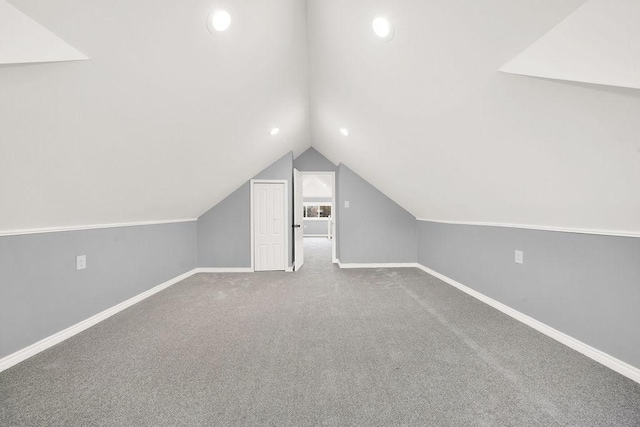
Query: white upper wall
(163, 121)
(317, 185)
(436, 127)
(598, 43)
(22, 40)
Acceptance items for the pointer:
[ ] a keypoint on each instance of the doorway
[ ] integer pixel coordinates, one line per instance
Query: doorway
(269, 238)
(314, 212)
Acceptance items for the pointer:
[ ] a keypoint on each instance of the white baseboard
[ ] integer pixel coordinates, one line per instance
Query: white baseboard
(21, 355)
(607, 360)
(378, 265)
(233, 270)
(224, 270)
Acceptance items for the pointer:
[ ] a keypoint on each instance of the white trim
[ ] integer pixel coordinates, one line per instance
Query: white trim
(607, 360)
(326, 236)
(91, 227)
(289, 269)
(379, 265)
(224, 270)
(287, 226)
(27, 352)
(539, 227)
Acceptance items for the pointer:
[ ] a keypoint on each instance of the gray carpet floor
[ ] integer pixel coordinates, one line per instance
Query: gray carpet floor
(322, 346)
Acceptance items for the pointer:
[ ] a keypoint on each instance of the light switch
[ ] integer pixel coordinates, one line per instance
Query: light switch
(81, 262)
(519, 257)
(346, 204)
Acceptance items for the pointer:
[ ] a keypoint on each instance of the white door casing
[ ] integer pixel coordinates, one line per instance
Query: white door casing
(334, 214)
(269, 226)
(298, 218)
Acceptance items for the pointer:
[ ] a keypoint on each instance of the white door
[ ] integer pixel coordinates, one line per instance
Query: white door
(269, 226)
(298, 217)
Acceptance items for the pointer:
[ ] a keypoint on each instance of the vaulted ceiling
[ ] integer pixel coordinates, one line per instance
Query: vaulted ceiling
(163, 122)
(435, 126)
(166, 119)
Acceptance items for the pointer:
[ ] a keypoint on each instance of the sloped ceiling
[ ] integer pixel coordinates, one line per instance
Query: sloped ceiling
(23, 40)
(163, 122)
(437, 128)
(598, 43)
(167, 119)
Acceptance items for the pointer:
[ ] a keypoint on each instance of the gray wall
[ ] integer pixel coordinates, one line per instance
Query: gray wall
(316, 226)
(587, 286)
(42, 293)
(312, 161)
(224, 232)
(374, 229)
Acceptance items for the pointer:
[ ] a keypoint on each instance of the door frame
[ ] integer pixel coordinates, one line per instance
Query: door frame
(334, 210)
(285, 225)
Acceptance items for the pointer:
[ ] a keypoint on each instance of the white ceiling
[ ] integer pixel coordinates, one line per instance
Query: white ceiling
(317, 185)
(166, 119)
(163, 122)
(437, 128)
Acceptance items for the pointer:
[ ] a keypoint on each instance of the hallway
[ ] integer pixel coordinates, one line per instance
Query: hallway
(317, 252)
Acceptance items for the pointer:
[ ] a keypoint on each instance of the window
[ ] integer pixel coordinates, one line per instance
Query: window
(317, 210)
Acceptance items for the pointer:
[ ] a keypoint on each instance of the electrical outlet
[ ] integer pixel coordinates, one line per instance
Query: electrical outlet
(81, 262)
(519, 257)
(346, 204)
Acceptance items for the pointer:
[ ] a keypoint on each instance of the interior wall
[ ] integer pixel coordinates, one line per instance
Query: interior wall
(224, 231)
(586, 286)
(42, 293)
(373, 229)
(316, 227)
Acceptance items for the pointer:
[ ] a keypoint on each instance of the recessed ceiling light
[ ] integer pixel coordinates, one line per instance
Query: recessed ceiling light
(383, 28)
(274, 131)
(218, 21)
(344, 131)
